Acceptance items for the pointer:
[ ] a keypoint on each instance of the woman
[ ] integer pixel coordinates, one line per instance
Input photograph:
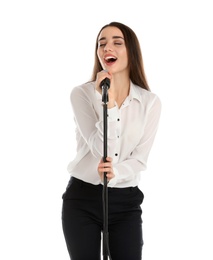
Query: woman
(133, 113)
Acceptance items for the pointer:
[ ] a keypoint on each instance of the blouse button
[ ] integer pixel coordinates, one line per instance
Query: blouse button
(116, 154)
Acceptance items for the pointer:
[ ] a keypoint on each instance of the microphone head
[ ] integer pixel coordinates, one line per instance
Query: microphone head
(105, 83)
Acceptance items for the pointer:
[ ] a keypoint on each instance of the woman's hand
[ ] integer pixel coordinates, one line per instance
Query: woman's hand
(99, 78)
(106, 167)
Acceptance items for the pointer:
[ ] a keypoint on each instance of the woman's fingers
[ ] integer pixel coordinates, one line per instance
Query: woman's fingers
(106, 167)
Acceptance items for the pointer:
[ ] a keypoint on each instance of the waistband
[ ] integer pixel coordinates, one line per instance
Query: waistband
(100, 186)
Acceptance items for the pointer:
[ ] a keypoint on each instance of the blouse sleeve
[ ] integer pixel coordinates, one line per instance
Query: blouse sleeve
(137, 160)
(89, 121)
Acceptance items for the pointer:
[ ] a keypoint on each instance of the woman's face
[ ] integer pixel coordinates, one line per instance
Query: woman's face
(112, 52)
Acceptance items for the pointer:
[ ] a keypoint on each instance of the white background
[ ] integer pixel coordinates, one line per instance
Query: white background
(47, 48)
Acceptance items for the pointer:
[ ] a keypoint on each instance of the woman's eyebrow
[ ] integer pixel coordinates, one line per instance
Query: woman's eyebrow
(114, 37)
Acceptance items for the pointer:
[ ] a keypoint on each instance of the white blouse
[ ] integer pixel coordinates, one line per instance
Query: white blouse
(131, 130)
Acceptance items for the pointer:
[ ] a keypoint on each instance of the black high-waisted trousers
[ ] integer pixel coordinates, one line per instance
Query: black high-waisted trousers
(82, 221)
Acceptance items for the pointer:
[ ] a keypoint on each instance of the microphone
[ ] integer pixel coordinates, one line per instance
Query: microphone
(105, 85)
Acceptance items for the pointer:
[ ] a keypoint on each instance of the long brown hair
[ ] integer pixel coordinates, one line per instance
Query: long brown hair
(137, 73)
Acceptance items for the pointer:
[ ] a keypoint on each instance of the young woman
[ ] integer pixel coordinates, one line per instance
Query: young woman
(133, 113)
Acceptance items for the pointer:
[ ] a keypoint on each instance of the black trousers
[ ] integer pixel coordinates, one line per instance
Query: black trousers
(82, 221)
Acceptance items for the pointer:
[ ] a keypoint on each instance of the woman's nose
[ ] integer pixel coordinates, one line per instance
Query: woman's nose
(108, 47)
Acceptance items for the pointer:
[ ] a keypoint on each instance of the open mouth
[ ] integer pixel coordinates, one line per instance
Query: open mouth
(110, 59)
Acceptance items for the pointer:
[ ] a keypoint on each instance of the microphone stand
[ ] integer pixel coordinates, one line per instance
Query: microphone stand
(105, 188)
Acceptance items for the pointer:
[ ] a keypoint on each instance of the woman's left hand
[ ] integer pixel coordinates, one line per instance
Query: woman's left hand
(106, 167)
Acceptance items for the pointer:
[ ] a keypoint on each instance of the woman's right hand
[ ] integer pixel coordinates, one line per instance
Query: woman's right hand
(101, 75)
(99, 78)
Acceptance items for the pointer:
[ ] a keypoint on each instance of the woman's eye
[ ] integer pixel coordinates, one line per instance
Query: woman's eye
(102, 44)
(118, 43)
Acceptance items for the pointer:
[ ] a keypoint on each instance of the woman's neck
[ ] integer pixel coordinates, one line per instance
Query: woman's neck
(122, 87)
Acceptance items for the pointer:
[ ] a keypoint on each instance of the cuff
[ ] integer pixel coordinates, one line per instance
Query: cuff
(114, 180)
